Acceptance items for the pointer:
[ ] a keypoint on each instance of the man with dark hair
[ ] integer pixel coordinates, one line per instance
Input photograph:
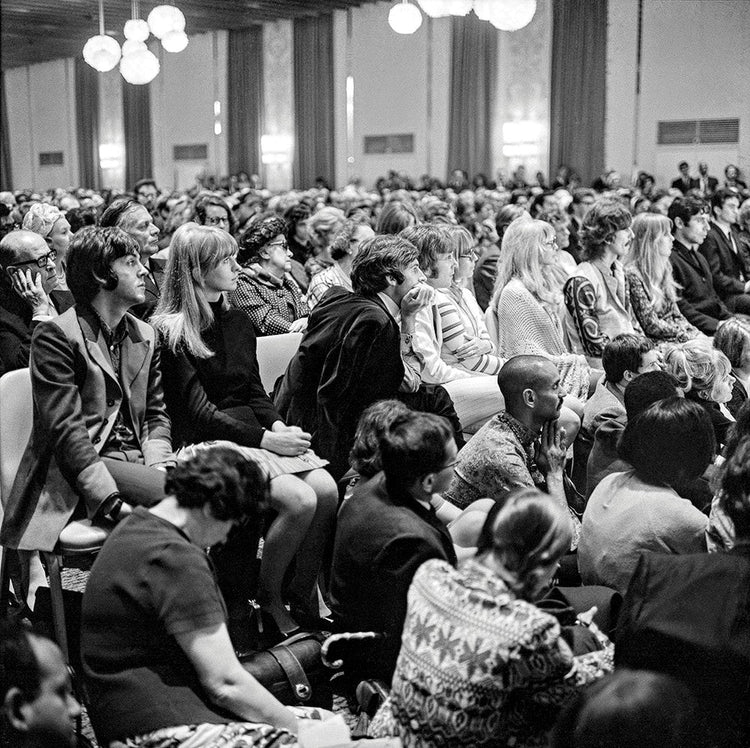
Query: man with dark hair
(351, 354)
(684, 183)
(135, 219)
(38, 706)
(698, 300)
(146, 193)
(100, 425)
(27, 278)
(386, 531)
(721, 248)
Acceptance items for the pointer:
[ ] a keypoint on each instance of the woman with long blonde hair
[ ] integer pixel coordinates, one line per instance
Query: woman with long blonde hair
(527, 305)
(653, 291)
(213, 391)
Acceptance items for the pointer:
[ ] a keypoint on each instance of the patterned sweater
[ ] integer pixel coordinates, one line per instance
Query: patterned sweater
(479, 667)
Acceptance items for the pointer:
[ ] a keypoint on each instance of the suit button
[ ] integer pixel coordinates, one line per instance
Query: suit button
(110, 403)
(97, 439)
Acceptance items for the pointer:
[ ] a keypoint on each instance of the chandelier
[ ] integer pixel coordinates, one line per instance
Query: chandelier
(138, 64)
(506, 15)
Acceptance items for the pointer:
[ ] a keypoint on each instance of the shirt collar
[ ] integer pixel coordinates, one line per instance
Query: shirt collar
(522, 432)
(98, 325)
(390, 306)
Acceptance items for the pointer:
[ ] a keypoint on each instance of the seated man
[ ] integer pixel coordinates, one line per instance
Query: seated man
(38, 707)
(100, 424)
(386, 531)
(351, 354)
(721, 248)
(624, 358)
(698, 300)
(521, 446)
(27, 277)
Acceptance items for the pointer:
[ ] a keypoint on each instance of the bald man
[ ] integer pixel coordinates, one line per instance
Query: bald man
(27, 277)
(521, 446)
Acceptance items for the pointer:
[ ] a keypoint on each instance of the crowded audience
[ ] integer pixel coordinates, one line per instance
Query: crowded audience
(421, 472)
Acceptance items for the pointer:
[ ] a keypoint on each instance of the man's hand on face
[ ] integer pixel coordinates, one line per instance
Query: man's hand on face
(416, 298)
(28, 285)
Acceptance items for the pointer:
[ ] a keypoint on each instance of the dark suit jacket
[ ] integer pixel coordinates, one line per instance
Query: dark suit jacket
(145, 309)
(739, 395)
(698, 300)
(712, 183)
(689, 616)
(727, 268)
(348, 359)
(684, 185)
(381, 541)
(485, 273)
(77, 396)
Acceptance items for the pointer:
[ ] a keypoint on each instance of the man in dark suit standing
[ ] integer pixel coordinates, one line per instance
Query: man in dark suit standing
(721, 249)
(698, 300)
(134, 219)
(684, 183)
(706, 184)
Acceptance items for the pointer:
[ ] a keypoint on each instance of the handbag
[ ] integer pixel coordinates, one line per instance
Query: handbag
(293, 671)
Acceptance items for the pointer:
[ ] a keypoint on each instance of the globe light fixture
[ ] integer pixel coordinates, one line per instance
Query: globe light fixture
(136, 29)
(435, 8)
(102, 52)
(165, 18)
(484, 8)
(512, 15)
(139, 67)
(174, 41)
(404, 18)
(459, 7)
(131, 45)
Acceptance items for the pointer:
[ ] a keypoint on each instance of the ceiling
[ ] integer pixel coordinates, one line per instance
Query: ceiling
(39, 30)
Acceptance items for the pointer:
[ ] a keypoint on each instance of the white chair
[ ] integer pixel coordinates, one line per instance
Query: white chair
(274, 354)
(78, 538)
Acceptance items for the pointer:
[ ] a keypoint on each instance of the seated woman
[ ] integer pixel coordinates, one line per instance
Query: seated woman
(497, 671)
(212, 210)
(668, 444)
(270, 297)
(157, 658)
(527, 305)
(733, 340)
(706, 376)
(653, 293)
(322, 226)
(596, 295)
(464, 526)
(560, 222)
(213, 391)
(343, 251)
(395, 216)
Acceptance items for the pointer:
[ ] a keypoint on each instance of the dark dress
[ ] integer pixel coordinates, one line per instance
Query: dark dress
(220, 397)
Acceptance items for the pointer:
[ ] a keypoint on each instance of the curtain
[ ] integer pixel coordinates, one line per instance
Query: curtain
(313, 100)
(136, 105)
(87, 123)
(579, 59)
(6, 172)
(244, 99)
(473, 79)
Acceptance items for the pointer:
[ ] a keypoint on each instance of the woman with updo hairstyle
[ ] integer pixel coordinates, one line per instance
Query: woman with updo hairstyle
(213, 391)
(652, 288)
(497, 672)
(269, 296)
(668, 445)
(527, 304)
(322, 226)
(705, 375)
(596, 295)
(733, 340)
(394, 217)
(344, 249)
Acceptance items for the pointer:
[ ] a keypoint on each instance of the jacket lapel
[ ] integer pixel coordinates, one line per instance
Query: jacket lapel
(97, 348)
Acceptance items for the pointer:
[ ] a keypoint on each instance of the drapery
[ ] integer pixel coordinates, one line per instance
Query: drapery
(579, 58)
(136, 106)
(87, 123)
(313, 100)
(245, 99)
(473, 81)
(6, 172)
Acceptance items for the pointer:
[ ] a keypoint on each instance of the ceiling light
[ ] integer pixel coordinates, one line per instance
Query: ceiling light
(174, 41)
(404, 18)
(102, 52)
(139, 67)
(511, 15)
(165, 18)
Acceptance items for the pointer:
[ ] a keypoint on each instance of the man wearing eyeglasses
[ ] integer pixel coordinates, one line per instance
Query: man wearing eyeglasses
(27, 275)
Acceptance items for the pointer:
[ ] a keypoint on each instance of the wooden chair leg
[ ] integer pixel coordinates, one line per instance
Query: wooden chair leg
(56, 596)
